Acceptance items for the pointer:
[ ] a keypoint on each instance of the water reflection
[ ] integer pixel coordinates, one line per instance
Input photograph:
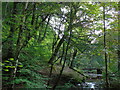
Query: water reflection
(90, 85)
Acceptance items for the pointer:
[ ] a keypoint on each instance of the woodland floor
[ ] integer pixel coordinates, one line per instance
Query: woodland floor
(68, 75)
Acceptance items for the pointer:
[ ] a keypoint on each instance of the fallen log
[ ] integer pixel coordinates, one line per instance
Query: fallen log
(78, 72)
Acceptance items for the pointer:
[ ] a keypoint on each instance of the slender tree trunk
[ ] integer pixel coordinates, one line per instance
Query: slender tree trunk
(67, 47)
(56, 50)
(19, 45)
(106, 65)
(58, 79)
(44, 35)
(52, 64)
(62, 55)
(62, 39)
(78, 72)
(41, 24)
(119, 38)
(74, 55)
(51, 68)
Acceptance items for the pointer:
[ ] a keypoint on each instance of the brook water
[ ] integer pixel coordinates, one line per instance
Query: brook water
(92, 83)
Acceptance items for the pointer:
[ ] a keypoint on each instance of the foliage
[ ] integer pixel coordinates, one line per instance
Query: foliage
(36, 33)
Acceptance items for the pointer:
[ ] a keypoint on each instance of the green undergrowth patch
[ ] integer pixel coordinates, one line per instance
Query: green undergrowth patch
(69, 77)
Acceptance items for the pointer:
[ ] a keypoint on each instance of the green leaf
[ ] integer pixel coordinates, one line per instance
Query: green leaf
(7, 61)
(12, 67)
(12, 59)
(6, 70)
(20, 65)
(7, 66)
(3, 64)
(98, 54)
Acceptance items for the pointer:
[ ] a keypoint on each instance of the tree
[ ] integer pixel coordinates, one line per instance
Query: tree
(119, 37)
(49, 35)
(106, 66)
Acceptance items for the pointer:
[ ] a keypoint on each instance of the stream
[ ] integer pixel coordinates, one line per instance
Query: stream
(90, 85)
(93, 83)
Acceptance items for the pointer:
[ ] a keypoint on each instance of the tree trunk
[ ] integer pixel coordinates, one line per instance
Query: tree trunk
(62, 56)
(57, 81)
(51, 68)
(106, 66)
(67, 47)
(19, 45)
(119, 38)
(74, 55)
(56, 50)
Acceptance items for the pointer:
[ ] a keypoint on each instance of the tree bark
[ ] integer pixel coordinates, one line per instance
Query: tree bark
(62, 56)
(51, 69)
(74, 55)
(119, 38)
(56, 50)
(105, 54)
